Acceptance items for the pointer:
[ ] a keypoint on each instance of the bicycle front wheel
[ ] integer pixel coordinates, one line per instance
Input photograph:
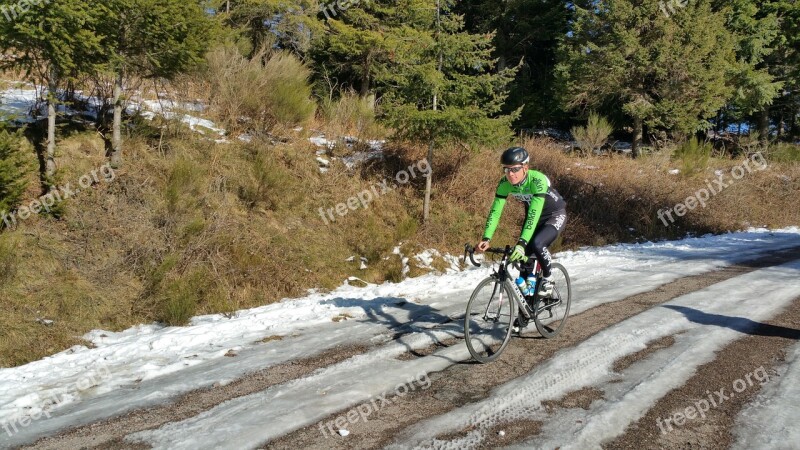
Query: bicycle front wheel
(551, 312)
(487, 325)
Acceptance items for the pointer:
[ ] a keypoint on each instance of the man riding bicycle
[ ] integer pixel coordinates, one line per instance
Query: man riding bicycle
(545, 219)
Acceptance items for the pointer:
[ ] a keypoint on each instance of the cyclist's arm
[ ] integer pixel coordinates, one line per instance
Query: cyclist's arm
(539, 188)
(503, 189)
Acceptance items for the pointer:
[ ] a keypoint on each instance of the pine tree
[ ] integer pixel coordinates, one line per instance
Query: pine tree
(784, 65)
(756, 31)
(446, 89)
(526, 34)
(150, 39)
(54, 43)
(664, 69)
(363, 43)
(437, 83)
(281, 24)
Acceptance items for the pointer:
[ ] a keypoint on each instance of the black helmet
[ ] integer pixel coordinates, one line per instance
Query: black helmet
(514, 156)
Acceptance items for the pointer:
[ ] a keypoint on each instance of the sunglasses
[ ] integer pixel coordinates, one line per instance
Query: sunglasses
(512, 169)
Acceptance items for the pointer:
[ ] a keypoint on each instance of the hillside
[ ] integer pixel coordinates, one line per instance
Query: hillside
(194, 226)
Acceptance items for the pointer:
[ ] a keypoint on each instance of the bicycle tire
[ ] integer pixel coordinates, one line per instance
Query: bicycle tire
(486, 338)
(543, 307)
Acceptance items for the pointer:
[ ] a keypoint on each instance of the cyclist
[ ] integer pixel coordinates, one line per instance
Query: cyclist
(545, 219)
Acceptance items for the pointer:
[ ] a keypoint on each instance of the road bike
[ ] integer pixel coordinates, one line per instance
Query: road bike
(497, 306)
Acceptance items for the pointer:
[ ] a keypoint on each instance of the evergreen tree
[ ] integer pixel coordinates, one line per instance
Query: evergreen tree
(756, 32)
(150, 39)
(527, 35)
(662, 70)
(446, 89)
(784, 65)
(53, 42)
(363, 45)
(282, 24)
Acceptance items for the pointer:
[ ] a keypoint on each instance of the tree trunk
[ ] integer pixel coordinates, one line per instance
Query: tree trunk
(763, 126)
(426, 206)
(116, 139)
(365, 77)
(637, 136)
(50, 154)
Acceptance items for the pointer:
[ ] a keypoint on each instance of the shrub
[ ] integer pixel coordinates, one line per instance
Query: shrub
(182, 191)
(261, 93)
(784, 152)
(693, 156)
(185, 296)
(13, 172)
(594, 135)
(351, 113)
(266, 183)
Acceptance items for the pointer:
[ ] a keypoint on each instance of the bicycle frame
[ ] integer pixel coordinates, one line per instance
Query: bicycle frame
(502, 275)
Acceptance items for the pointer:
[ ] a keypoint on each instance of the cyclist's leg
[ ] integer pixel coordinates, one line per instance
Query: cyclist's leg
(543, 237)
(546, 233)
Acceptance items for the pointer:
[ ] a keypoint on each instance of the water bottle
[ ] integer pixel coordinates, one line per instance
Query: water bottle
(522, 285)
(531, 285)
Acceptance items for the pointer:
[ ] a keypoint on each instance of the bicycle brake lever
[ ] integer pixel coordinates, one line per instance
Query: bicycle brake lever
(469, 250)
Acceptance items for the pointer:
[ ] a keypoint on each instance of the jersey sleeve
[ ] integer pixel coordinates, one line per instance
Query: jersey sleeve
(500, 195)
(539, 186)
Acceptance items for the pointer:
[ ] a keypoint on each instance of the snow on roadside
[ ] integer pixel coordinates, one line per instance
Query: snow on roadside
(166, 361)
(425, 260)
(325, 145)
(17, 103)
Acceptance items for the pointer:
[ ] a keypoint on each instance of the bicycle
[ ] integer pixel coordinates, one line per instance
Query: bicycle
(491, 312)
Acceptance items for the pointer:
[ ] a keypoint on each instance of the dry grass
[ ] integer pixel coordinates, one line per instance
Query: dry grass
(196, 227)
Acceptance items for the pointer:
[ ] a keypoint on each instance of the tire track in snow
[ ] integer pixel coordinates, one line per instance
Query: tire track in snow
(465, 383)
(590, 365)
(110, 432)
(763, 349)
(771, 419)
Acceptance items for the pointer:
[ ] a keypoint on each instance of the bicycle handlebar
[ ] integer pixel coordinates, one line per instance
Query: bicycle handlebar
(470, 250)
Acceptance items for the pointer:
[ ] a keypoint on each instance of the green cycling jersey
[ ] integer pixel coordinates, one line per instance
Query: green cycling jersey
(540, 198)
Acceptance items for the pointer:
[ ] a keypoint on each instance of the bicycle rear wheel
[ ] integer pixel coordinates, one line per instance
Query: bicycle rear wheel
(487, 325)
(551, 313)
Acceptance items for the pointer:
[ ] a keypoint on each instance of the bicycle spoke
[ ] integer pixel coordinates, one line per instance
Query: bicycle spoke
(487, 325)
(552, 313)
